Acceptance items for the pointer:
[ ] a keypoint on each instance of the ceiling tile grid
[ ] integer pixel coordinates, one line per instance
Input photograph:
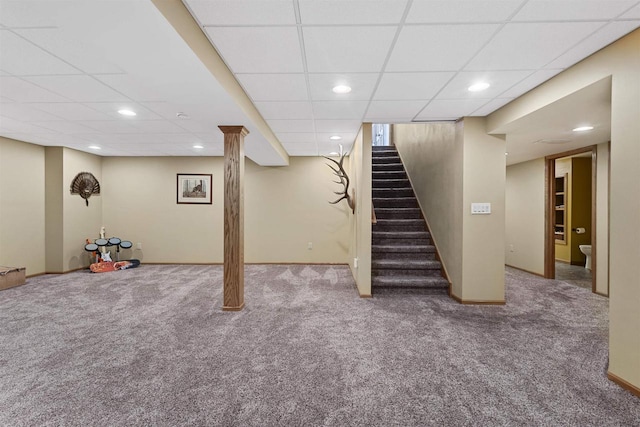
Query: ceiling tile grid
(404, 60)
(66, 67)
(69, 66)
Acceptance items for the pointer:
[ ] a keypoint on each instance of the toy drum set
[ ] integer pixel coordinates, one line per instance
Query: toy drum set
(100, 245)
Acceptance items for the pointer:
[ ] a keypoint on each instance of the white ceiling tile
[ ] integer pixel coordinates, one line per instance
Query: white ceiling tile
(526, 46)
(70, 111)
(139, 89)
(204, 126)
(65, 127)
(243, 12)
(78, 88)
(275, 87)
(212, 138)
(297, 138)
(285, 110)
(111, 110)
(212, 112)
(258, 49)
(324, 138)
(394, 110)
(22, 58)
(179, 138)
(291, 125)
(156, 126)
(610, 33)
(33, 14)
(297, 149)
(339, 109)
(9, 125)
(32, 137)
(446, 108)
(633, 13)
(100, 138)
(66, 45)
(351, 126)
(347, 49)
(438, 47)
(491, 106)
(109, 126)
(362, 85)
(500, 81)
(5, 100)
(25, 113)
(442, 11)
(571, 10)
(351, 12)
(406, 86)
(529, 83)
(22, 91)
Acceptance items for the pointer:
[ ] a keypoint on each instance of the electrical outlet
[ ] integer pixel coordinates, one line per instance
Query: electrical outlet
(139, 246)
(310, 245)
(355, 263)
(511, 249)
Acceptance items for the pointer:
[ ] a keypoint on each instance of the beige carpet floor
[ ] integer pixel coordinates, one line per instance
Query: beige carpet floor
(150, 346)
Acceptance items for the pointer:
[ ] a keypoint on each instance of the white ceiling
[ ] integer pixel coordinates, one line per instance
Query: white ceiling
(66, 67)
(549, 130)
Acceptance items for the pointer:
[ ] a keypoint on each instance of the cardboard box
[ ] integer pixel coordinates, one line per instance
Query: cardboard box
(11, 276)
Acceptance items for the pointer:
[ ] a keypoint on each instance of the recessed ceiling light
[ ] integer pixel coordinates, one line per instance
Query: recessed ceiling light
(333, 153)
(182, 116)
(94, 147)
(477, 87)
(341, 89)
(583, 128)
(126, 112)
(335, 138)
(198, 146)
(506, 153)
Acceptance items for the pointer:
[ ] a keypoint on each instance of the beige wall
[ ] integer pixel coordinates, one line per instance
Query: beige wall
(451, 166)
(621, 61)
(360, 222)
(483, 235)
(602, 219)
(432, 155)
(22, 208)
(524, 216)
(285, 209)
(54, 208)
(80, 222)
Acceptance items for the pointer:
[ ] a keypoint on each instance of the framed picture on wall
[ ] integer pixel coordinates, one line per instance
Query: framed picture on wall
(194, 189)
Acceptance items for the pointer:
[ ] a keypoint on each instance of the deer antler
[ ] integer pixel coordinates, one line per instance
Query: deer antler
(344, 180)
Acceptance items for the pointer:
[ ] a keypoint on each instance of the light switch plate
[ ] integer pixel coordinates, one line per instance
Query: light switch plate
(480, 208)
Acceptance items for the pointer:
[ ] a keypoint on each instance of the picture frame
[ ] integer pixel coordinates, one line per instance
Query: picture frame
(194, 189)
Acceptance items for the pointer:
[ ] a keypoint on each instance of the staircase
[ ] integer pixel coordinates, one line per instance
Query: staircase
(402, 253)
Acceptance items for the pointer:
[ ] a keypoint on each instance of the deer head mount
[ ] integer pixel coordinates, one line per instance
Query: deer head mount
(339, 171)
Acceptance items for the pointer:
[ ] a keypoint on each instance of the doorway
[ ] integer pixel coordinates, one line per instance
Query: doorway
(570, 220)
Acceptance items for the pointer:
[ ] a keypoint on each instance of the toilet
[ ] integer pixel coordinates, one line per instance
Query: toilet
(586, 249)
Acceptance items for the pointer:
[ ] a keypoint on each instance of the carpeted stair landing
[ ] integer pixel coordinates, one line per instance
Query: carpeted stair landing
(402, 253)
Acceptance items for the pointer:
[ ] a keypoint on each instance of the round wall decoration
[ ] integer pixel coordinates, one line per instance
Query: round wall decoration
(85, 184)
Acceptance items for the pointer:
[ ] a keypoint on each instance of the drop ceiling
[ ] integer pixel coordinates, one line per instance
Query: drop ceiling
(66, 67)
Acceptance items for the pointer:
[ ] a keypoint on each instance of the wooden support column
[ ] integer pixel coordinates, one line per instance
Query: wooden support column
(233, 217)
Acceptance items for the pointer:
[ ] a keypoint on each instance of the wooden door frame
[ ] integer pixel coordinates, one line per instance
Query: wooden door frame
(549, 235)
